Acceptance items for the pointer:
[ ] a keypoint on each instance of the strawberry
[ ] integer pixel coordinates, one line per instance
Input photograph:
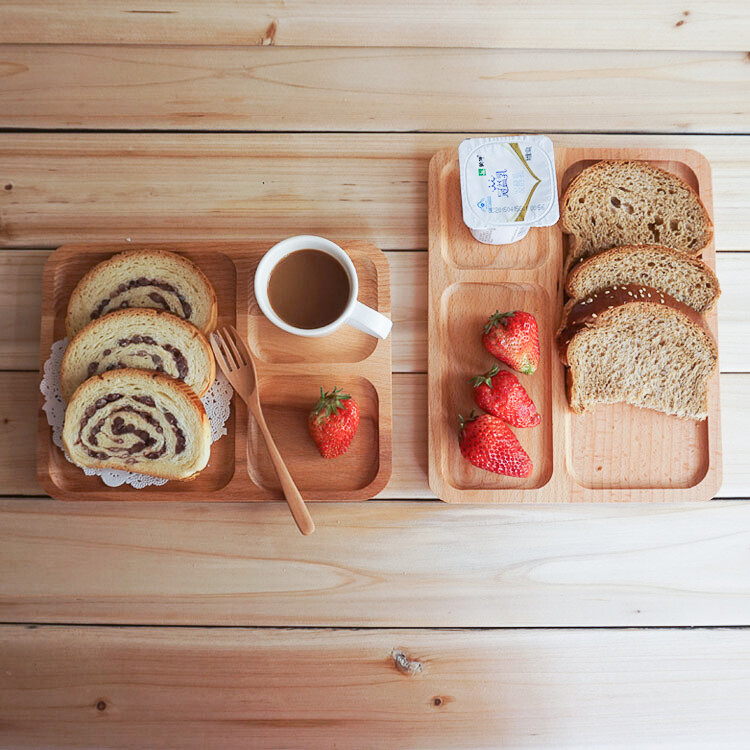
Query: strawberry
(513, 338)
(499, 393)
(487, 442)
(333, 422)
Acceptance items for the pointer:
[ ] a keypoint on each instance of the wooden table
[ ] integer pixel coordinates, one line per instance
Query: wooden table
(402, 622)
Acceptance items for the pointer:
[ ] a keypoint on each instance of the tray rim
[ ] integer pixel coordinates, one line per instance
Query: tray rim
(382, 384)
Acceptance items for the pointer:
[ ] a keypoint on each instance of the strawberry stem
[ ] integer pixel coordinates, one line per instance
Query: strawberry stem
(486, 378)
(498, 318)
(331, 402)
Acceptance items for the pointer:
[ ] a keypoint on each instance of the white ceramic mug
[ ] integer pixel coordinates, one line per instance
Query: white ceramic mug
(355, 313)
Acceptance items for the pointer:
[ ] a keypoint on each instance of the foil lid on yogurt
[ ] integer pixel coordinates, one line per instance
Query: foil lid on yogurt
(508, 184)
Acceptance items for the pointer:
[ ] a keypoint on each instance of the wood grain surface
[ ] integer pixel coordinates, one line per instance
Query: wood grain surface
(304, 89)
(98, 687)
(76, 187)
(575, 24)
(405, 564)
(309, 75)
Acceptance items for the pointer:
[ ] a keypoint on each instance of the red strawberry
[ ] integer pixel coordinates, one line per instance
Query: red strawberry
(487, 442)
(333, 422)
(499, 393)
(513, 338)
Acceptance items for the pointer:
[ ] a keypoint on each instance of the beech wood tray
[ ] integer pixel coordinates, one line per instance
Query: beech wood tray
(291, 370)
(611, 453)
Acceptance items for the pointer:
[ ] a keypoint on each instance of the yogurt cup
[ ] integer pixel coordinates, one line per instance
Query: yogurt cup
(508, 185)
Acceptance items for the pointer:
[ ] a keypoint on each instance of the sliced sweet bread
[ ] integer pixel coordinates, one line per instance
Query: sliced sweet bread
(688, 280)
(613, 203)
(137, 421)
(639, 346)
(140, 338)
(143, 278)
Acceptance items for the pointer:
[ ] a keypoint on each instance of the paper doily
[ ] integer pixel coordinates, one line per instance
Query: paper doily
(217, 402)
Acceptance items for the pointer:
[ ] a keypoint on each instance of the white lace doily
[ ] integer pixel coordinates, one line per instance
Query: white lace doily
(217, 403)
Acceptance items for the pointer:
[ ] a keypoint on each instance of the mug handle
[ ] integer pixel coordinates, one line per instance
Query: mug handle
(370, 321)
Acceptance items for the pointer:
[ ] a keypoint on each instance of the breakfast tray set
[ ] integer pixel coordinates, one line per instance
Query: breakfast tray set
(610, 453)
(290, 369)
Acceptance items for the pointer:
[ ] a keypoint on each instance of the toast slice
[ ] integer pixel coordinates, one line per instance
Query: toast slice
(138, 421)
(639, 346)
(614, 203)
(688, 280)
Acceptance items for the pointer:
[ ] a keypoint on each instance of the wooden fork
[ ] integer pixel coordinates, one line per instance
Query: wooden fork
(237, 364)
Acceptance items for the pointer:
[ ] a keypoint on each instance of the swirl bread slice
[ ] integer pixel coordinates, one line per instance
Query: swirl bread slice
(137, 421)
(144, 339)
(688, 280)
(614, 203)
(143, 278)
(636, 345)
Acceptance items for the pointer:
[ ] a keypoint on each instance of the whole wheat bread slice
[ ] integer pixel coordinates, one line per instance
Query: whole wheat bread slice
(650, 352)
(613, 203)
(688, 280)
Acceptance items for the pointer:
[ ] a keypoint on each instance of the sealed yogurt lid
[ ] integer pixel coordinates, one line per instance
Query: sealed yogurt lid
(508, 181)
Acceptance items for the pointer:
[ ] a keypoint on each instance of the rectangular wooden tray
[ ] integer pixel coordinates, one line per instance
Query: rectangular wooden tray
(291, 370)
(612, 453)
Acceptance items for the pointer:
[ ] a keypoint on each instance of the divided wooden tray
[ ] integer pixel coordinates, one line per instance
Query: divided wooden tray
(612, 453)
(291, 370)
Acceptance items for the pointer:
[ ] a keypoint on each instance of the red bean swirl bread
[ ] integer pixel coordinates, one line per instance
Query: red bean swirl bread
(143, 339)
(635, 344)
(137, 421)
(143, 278)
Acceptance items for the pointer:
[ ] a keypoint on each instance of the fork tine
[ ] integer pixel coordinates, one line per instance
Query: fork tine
(218, 344)
(234, 342)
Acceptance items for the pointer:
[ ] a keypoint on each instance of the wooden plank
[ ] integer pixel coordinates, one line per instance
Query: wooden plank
(407, 564)
(20, 289)
(303, 89)
(57, 188)
(732, 308)
(192, 688)
(573, 24)
(20, 306)
(19, 402)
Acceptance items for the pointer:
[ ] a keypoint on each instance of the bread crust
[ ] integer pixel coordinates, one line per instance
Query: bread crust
(76, 303)
(585, 265)
(150, 383)
(153, 320)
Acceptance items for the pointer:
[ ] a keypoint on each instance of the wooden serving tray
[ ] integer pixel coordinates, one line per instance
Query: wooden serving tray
(291, 370)
(612, 453)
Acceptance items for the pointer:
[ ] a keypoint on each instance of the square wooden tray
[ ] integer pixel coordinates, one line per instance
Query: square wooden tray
(291, 371)
(612, 453)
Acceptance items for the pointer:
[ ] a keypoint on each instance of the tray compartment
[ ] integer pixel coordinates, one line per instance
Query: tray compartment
(272, 345)
(464, 310)
(618, 446)
(461, 251)
(286, 405)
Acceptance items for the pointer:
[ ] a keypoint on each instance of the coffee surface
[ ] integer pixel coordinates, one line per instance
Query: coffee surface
(308, 289)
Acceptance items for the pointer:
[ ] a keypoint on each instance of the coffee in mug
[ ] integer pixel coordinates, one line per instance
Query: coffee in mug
(309, 289)
(308, 286)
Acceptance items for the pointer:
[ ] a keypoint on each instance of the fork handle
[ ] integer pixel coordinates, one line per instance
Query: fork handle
(294, 500)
